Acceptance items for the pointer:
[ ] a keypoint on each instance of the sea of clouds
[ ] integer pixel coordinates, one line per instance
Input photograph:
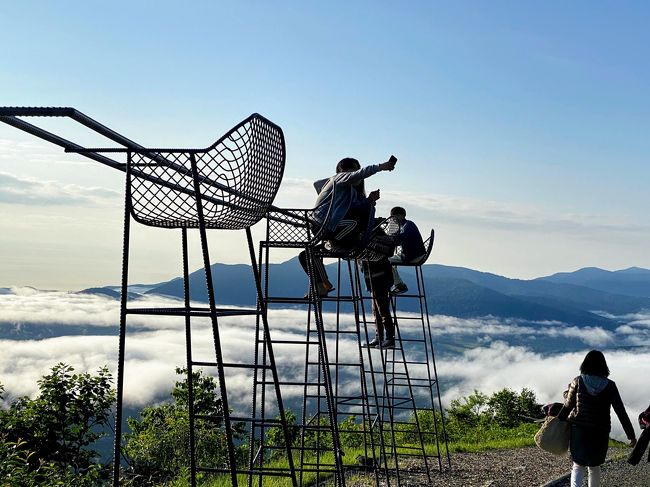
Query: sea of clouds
(495, 352)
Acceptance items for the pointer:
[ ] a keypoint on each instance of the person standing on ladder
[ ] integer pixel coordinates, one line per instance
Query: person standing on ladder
(379, 279)
(342, 211)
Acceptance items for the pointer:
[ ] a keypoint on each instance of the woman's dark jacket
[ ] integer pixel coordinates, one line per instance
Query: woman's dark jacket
(588, 402)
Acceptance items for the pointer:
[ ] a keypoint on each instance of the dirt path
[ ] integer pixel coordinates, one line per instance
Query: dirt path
(522, 467)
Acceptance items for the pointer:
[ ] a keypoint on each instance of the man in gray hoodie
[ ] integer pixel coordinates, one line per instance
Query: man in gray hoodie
(343, 211)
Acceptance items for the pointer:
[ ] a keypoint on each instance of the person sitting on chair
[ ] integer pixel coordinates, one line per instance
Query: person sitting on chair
(410, 246)
(350, 212)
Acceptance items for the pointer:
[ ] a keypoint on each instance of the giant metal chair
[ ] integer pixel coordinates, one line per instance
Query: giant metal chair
(229, 185)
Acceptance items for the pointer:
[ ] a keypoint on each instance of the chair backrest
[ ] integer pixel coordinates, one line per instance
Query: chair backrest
(239, 177)
(428, 246)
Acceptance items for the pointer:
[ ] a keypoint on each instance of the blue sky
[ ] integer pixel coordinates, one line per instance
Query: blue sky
(521, 127)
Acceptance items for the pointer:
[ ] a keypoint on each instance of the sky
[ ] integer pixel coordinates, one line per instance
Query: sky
(520, 127)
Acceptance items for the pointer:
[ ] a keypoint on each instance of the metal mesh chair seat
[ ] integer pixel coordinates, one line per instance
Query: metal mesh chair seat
(239, 176)
(293, 228)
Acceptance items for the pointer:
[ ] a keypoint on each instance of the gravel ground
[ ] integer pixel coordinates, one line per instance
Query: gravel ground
(618, 473)
(520, 467)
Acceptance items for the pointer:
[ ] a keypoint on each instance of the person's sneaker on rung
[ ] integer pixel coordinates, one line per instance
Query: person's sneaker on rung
(399, 288)
(388, 343)
(374, 342)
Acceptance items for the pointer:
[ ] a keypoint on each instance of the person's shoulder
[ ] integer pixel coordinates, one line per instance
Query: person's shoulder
(318, 185)
(410, 223)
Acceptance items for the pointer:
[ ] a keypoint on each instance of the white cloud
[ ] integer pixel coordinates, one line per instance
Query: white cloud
(27, 191)
(500, 365)
(155, 346)
(505, 214)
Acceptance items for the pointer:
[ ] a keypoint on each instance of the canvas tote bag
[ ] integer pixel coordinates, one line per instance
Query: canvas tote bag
(554, 436)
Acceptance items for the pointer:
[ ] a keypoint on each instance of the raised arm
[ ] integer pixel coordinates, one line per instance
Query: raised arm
(354, 177)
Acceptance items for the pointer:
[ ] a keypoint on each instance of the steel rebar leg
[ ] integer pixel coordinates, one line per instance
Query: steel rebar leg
(252, 437)
(269, 348)
(378, 409)
(188, 352)
(424, 310)
(357, 301)
(215, 325)
(122, 334)
(410, 389)
(327, 379)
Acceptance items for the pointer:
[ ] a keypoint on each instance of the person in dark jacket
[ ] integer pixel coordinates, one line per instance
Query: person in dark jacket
(410, 246)
(587, 407)
(343, 212)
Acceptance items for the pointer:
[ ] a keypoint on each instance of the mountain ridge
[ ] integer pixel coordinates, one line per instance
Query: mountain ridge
(452, 290)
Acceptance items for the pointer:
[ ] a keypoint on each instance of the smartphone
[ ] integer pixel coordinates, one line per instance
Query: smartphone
(392, 159)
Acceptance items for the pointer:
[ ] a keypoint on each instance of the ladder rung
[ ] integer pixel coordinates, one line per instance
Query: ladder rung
(231, 365)
(295, 300)
(264, 471)
(294, 342)
(351, 404)
(243, 419)
(191, 311)
(315, 427)
(319, 465)
(337, 364)
(256, 420)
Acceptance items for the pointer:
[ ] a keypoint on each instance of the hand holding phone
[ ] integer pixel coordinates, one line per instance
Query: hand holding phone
(390, 164)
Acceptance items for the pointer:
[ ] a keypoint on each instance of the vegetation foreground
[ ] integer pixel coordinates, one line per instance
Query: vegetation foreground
(50, 440)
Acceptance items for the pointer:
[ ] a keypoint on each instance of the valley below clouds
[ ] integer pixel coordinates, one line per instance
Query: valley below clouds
(39, 329)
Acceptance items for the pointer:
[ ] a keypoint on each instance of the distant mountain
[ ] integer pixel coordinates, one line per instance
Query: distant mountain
(567, 295)
(453, 291)
(634, 281)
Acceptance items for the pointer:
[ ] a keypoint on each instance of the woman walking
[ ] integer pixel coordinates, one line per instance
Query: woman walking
(587, 407)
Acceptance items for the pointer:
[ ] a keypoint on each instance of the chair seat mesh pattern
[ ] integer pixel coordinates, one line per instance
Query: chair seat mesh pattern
(290, 228)
(239, 177)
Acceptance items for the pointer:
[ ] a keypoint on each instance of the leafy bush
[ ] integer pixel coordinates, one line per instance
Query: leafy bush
(62, 423)
(275, 434)
(47, 441)
(477, 417)
(351, 432)
(158, 448)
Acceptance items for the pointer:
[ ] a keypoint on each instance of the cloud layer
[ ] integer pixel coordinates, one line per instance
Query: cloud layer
(155, 346)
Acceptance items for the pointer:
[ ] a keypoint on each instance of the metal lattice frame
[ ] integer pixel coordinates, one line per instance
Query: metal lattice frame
(229, 185)
(387, 393)
(422, 380)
